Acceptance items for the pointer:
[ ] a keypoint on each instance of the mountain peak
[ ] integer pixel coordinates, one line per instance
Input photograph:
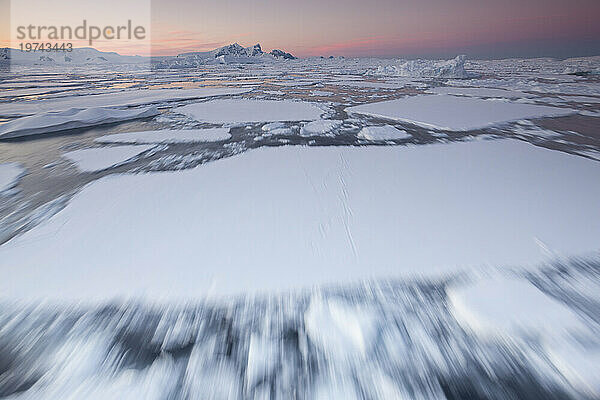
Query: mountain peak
(237, 50)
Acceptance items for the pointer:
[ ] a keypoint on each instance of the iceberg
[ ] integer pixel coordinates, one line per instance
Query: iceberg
(454, 68)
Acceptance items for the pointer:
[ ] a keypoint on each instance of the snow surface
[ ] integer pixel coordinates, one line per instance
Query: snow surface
(126, 98)
(385, 132)
(10, 173)
(279, 218)
(101, 158)
(168, 136)
(455, 113)
(70, 119)
(245, 110)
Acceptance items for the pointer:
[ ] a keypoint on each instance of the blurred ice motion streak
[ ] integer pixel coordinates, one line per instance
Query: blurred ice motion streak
(379, 340)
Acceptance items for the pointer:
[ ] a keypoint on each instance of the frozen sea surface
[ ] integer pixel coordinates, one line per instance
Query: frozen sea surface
(408, 214)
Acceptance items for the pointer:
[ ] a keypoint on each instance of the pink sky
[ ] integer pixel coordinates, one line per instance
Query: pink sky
(391, 28)
(379, 28)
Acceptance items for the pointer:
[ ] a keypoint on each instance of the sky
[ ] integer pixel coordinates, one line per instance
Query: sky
(380, 28)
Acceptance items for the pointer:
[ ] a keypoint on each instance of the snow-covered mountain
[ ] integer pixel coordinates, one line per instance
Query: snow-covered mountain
(230, 54)
(78, 56)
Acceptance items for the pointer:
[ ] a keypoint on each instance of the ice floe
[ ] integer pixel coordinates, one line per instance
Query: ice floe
(320, 93)
(168, 136)
(125, 98)
(101, 158)
(455, 113)
(278, 218)
(71, 119)
(245, 110)
(480, 92)
(373, 85)
(10, 173)
(320, 127)
(385, 132)
(277, 128)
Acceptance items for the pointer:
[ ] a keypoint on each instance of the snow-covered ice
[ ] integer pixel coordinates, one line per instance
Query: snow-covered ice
(480, 92)
(245, 110)
(273, 126)
(274, 92)
(368, 84)
(262, 359)
(320, 127)
(10, 173)
(385, 132)
(455, 113)
(125, 98)
(168, 136)
(101, 158)
(279, 218)
(581, 99)
(578, 363)
(320, 93)
(512, 307)
(70, 119)
(339, 330)
(277, 128)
